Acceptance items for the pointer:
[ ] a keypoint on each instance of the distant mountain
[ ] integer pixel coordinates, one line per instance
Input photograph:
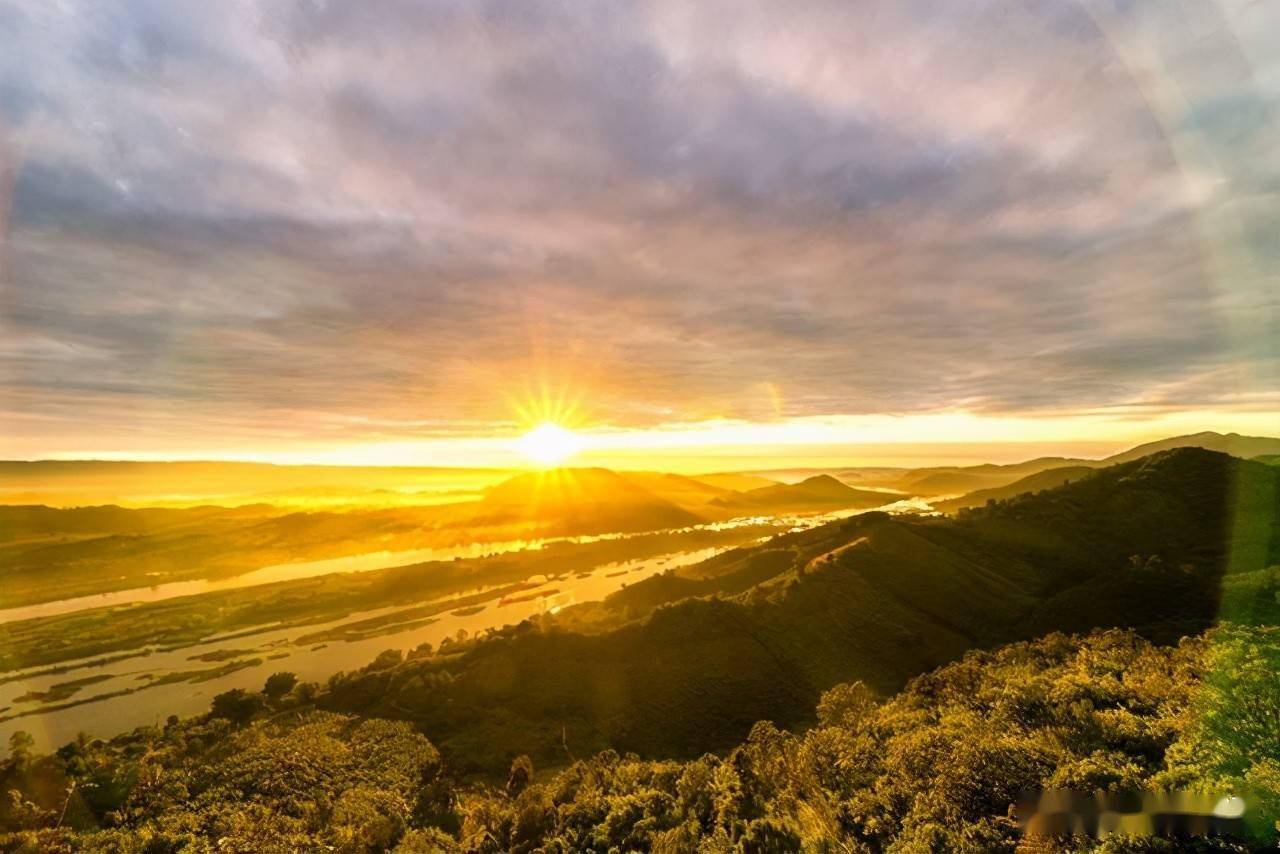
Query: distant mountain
(693, 494)
(734, 482)
(988, 476)
(1234, 444)
(958, 480)
(1165, 544)
(819, 492)
(954, 480)
(1047, 479)
(632, 501)
(586, 498)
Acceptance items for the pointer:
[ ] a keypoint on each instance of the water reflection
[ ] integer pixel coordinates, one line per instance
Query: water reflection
(365, 562)
(35, 699)
(278, 649)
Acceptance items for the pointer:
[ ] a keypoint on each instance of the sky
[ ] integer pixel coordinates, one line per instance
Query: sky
(406, 232)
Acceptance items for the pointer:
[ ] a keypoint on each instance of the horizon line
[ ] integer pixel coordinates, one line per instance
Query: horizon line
(205, 460)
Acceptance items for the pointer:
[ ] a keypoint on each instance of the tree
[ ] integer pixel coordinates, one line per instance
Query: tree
(521, 775)
(426, 841)
(846, 705)
(236, 705)
(279, 684)
(24, 814)
(20, 744)
(386, 659)
(768, 837)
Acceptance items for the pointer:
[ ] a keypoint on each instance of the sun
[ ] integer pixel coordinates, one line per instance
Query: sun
(550, 444)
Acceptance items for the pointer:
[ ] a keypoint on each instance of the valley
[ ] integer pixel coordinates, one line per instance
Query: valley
(1162, 545)
(317, 618)
(655, 615)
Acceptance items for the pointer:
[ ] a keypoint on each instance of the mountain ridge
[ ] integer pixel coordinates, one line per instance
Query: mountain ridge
(958, 481)
(819, 491)
(876, 597)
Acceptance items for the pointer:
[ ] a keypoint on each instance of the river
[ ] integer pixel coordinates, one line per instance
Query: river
(364, 562)
(87, 695)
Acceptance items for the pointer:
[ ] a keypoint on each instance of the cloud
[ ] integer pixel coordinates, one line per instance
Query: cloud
(288, 216)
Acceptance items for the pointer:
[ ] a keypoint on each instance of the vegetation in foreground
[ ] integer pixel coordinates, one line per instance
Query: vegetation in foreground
(934, 768)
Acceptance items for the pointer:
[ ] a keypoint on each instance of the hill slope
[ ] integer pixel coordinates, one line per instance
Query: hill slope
(1047, 479)
(949, 481)
(875, 598)
(821, 492)
(1234, 444)
(958, 480)
(690, 493)
(594, 498)
(935, 767)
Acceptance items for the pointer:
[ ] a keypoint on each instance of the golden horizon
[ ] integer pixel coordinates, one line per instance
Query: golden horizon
(719, 445)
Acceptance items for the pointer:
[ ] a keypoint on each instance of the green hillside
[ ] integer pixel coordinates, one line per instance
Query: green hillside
(875, 598)
(1047, 479)
(938, 766)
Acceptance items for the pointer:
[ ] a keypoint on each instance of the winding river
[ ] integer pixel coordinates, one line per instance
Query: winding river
(121, 691)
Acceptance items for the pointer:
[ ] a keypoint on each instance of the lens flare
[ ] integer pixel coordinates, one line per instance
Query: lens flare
(550, 444)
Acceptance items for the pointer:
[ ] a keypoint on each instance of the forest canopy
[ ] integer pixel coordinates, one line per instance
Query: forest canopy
(937, 766)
